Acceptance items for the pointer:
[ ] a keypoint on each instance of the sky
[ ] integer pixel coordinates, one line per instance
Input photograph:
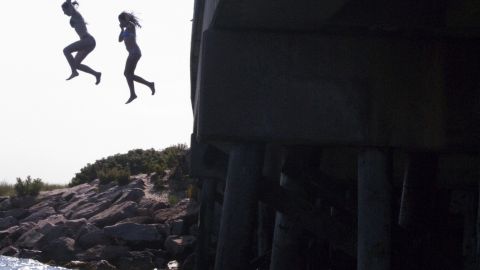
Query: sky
(49, 127)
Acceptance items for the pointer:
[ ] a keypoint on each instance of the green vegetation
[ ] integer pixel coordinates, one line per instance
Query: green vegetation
(121, 176)
(119, 167)
(7, 189)
(173, 199)
(28, 186)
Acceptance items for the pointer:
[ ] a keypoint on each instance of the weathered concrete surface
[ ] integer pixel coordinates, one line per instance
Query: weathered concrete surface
(332, 91)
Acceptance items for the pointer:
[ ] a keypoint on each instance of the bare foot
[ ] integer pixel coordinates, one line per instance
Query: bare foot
(152, 87)
(99, 77)
(131, 99)
(74, 74)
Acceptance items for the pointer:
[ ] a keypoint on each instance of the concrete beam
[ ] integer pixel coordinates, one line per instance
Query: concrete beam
(333, 90)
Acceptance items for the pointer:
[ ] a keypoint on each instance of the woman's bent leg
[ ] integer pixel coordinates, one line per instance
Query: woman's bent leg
(130, 66)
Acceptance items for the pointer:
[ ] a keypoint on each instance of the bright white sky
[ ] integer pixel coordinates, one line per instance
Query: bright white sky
(51, 128)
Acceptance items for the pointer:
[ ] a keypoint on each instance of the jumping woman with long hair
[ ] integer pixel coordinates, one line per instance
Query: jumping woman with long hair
(128, 25)
(83, 47)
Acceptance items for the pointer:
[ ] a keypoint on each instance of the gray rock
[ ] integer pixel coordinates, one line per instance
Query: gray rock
(114, 214)
(102, 252)
(54, 233)
(5, 204)
(17, 213)
(137, 233)
(137, 183)
(136, 260)
(10, 251)
(60, 250)
(76, 225)
(177, 227)
(179, 246)
(101, 265)
(138, 220)
(22, 202)
(152, 205)
(93, 265)
(8, 222)
(90, 209)
(40, 214)
(134, 194)
(30, 254)
(186, 210)
(52, 220)
(189, 263)
(30, 239)
(13, 233)
(90, 236)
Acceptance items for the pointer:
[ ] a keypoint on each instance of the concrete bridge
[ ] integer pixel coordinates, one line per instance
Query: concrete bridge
(337, 134)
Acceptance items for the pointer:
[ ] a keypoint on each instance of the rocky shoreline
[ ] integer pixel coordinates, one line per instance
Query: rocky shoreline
(93, 226)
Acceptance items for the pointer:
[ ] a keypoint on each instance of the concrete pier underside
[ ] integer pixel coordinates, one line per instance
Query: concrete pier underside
(373, 86)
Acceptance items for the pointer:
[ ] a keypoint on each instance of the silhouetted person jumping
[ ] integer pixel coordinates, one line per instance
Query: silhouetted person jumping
(83, 47)
(128, 24)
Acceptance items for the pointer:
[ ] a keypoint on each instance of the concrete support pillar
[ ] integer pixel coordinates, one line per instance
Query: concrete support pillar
(274, 158)
(206, 224)
(469, 231)
(417, 209)
(477, 253)
(234, 248)
(286, 234)
(418, 188)
(374, 210)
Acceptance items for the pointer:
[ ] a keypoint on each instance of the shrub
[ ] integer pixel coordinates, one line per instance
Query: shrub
(121, 176)
(28, 187)
(173, 199)
(134, 162)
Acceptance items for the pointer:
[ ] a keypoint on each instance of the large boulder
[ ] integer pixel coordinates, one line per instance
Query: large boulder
(7, 222)
(93, 265)
(114, 214)
(10, 251)
(60, 250)
(75, 225)
(138, 220)
(90, 236)
(136, 234)
(180, 246)
(136, 260)
(40, 214)
(17, 213)
(186, 210)
(5, 204)
(89, 209)
(30, 254)
(102, 252)
(52, 220)
(22, 202)
(10, 235)
(134, 194)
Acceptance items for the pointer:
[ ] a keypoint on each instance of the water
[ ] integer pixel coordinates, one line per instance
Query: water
(9, 263)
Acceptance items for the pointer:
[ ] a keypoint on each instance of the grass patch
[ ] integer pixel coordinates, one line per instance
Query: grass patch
(7, 189)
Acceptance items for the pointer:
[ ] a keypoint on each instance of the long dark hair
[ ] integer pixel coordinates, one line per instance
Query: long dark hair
(129, 17)
(66, 4)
